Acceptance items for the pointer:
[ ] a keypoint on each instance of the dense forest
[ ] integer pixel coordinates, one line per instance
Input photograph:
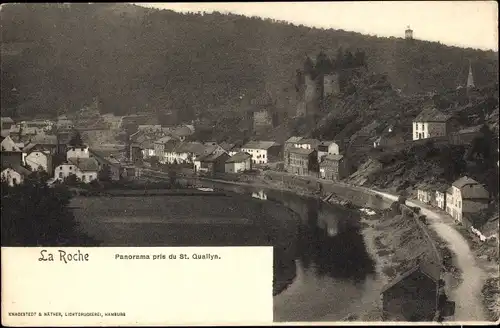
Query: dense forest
(58, 58)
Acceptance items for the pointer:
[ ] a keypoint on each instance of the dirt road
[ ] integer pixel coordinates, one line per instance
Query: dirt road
(467, 295)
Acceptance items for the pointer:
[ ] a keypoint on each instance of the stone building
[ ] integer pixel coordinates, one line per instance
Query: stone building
(334, 167)
(303, 161)
(331, 85)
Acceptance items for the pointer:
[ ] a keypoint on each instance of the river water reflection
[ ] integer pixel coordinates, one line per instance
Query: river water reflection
(322, 270)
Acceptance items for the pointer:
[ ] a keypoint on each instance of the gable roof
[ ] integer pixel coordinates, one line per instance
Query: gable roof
(163, 140)
(259, 144)
(84, 164)
(428, 268)
(431, 114)
(6, 119)
(301, 151)
(18, 168)
(313, 142)
(193, 147)
(463, 181)
(102, 158)
(227, 146)
(211, 157)
(239, 157)
(293, 139)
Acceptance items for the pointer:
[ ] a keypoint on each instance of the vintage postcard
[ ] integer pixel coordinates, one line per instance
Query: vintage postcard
(258, 163)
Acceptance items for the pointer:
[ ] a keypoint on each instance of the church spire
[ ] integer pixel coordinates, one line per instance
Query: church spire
(470, 78)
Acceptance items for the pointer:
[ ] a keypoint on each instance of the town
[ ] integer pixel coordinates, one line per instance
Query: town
(412, 151)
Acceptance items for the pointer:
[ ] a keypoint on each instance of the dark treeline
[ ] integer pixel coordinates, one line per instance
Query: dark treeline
(34, 214)
(57, 58)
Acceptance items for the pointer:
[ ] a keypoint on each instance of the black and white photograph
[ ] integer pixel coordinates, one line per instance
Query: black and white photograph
(359, 140)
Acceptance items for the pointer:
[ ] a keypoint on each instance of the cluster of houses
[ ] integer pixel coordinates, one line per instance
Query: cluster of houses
(300, 156)
(323, 159)
(172, 146)
(463, 200)
(58, 158)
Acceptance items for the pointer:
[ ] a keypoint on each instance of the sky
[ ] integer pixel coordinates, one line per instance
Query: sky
(459, 23)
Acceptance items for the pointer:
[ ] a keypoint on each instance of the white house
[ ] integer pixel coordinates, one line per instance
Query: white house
(466, 196)
(78, 152)
(425, 194)
(8, 144)
(261, 151)
(430, 123)
(238, 163)
(85, 169)
(186, 152)
(39, 159)
(440, 196)
(15, 174)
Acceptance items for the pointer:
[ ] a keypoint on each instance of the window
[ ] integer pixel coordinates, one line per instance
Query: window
(416, 135)
(60, 174)
(84, 178)
(14, 181)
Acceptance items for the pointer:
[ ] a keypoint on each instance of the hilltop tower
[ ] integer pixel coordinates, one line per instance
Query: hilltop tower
(408, 33)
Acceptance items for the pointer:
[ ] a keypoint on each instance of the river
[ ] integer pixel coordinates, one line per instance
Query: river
(322, 269)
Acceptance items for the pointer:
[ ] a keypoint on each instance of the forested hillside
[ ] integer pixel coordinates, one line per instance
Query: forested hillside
(58, 58)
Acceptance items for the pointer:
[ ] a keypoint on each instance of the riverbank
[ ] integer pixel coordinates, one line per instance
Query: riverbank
(463, 284)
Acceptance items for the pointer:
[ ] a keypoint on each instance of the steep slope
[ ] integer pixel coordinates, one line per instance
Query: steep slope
(135, 59)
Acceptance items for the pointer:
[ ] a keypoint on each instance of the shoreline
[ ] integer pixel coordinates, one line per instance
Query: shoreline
(385, 262)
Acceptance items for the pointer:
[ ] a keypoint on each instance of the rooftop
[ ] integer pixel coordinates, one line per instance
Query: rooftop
(428, 267)
(301, 151)
(85, 164)
(463, 181)
(308, 141)
(238, 157)
(293, 139)
(211, 157)
(431, 114)
(259, 144)
(6, 119)
(18, 168)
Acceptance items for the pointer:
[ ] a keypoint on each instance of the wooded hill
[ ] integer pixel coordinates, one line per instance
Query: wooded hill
(58, 58)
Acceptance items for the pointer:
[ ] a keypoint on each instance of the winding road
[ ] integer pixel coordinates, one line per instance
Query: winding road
(467, 295)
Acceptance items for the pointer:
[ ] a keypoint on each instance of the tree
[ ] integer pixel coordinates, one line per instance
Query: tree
(34, 214)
